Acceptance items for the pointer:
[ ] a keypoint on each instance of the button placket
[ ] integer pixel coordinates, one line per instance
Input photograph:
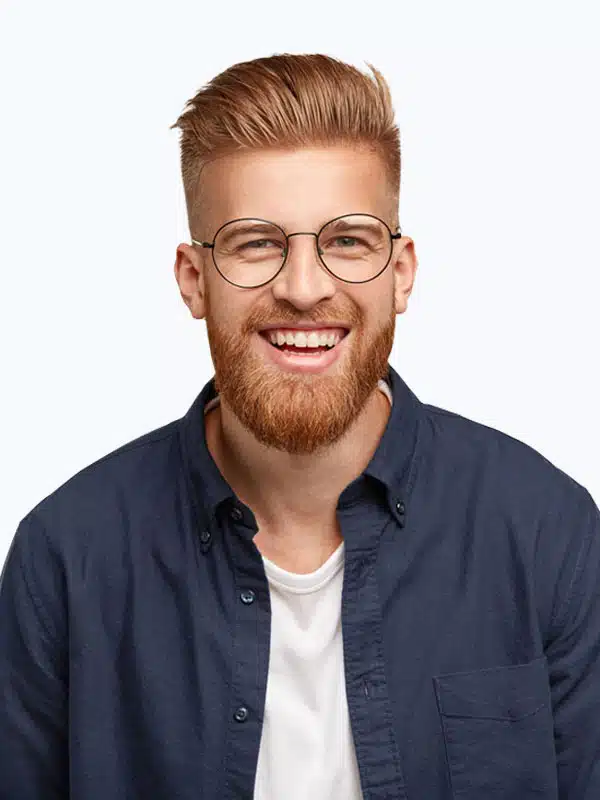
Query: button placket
(250, 637)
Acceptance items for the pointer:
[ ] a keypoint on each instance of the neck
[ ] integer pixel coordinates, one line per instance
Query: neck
(291, 494)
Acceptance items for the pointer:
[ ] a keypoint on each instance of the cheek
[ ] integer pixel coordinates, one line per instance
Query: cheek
(378, 305)
(226, 310)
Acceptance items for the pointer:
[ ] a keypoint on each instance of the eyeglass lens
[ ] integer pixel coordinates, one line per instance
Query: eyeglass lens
(250, 252)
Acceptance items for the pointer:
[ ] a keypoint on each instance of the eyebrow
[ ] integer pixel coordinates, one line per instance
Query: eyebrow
(344, 225)
(258, 227)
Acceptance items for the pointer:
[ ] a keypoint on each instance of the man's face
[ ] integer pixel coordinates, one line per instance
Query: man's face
(296, 404)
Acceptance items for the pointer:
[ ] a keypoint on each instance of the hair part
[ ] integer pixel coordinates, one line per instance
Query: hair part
(287, 101)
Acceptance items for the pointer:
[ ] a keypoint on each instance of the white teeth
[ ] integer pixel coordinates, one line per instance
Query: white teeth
(302, 339)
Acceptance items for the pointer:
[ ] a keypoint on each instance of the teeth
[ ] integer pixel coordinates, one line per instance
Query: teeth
(302, 339)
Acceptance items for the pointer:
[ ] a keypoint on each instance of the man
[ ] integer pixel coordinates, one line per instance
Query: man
(312, 585)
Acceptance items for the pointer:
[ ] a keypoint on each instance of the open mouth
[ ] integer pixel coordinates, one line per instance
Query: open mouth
(303, 348)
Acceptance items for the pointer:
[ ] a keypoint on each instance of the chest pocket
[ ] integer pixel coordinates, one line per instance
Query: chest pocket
(498, 731)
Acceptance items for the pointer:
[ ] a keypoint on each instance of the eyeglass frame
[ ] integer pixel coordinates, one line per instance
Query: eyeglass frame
(287, 237)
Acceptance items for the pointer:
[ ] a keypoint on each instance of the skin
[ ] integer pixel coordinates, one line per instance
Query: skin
(288, 443)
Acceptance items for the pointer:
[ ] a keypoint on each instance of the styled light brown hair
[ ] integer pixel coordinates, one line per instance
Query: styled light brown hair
(287, 101)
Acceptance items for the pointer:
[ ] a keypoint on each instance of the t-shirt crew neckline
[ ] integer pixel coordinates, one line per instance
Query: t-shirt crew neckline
(306, 582)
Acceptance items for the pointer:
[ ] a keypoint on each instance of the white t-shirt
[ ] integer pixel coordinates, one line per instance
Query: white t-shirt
(306, 748)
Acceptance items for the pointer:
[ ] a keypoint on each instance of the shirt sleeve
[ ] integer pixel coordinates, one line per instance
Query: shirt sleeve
(573, 655)
(33, 670)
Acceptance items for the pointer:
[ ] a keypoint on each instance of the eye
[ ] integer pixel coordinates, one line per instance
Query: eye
(259, 244)
(345, 240)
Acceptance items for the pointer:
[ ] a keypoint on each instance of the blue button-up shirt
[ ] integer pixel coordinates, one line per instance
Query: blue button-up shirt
(135, 623)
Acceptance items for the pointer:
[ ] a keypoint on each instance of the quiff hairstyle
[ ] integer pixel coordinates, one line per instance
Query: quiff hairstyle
(286, 101)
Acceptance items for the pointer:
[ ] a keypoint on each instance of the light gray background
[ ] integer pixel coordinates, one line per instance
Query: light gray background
(498, 108)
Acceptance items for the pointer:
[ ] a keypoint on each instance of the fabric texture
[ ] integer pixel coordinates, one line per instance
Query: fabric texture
(136, 620)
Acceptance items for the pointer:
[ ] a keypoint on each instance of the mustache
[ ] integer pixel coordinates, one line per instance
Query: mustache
(290, 318)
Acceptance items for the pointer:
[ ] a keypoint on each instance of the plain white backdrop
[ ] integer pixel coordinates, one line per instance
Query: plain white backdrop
(498, 109)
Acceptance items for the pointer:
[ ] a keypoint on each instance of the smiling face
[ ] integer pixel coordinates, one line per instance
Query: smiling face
(296, 403)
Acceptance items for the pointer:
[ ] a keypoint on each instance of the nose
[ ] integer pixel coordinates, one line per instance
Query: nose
(303, 281)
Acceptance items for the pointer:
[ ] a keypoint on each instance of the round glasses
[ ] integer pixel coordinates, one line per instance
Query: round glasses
(249, 252)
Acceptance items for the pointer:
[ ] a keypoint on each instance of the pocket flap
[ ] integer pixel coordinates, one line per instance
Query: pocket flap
(508, 692)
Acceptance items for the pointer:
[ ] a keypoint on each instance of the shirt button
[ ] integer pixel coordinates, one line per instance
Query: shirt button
(247, 596)
(236, 514)
(205, 536)
(401, 509)
(241, 714)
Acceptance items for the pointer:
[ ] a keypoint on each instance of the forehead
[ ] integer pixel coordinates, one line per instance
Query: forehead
(295, 188)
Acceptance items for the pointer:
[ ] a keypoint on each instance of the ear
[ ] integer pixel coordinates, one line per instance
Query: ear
(189, 274)
(404, 264)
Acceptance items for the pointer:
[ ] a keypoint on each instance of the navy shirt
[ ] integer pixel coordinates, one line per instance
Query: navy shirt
(135, 623)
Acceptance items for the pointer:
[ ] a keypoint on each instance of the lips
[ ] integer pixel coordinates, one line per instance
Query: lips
(302, 359)
(265, 335)
(305, 327)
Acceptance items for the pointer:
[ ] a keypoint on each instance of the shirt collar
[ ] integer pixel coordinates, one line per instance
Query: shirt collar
(391, 464)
